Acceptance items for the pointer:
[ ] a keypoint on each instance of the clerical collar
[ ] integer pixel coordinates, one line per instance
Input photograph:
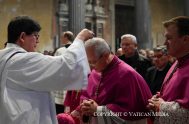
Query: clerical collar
(182, 60)
(13, 45)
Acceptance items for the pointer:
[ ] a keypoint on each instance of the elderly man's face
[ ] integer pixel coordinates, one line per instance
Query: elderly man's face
(128, 47)
(95, 62)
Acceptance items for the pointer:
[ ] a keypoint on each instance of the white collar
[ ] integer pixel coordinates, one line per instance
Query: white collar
(12, 45)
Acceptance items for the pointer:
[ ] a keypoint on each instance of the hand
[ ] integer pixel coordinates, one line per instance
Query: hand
(154, 103)
(88, 107)
(75, 113)
(85, 34)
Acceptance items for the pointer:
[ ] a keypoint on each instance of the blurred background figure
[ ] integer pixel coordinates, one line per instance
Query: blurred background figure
(119, 52)
(143, 52)
(66, 40)
(156, 74)
(131, 56)
(149, 55)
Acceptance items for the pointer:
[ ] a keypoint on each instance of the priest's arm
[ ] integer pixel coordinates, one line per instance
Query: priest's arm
(46, 73)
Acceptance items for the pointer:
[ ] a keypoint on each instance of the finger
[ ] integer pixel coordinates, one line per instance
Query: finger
(85, 100)
(154, 96)
(151, 105)
(84, 109)
(150, 101)
(155, 99)
(91, 101)
(87, 104)
(158, 94)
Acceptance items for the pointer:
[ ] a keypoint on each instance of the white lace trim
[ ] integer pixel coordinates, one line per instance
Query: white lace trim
(176, 114)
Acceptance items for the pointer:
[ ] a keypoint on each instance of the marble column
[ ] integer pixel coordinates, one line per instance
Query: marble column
(76, 15)
(143, 24)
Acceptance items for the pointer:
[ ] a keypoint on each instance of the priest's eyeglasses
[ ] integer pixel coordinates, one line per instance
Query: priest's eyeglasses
(36, 36)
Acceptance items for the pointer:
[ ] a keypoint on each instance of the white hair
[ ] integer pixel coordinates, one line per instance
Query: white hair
(133, 38)
(99, 44)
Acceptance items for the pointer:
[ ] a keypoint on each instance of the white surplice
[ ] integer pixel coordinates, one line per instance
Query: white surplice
(172, 113)
(27, 79)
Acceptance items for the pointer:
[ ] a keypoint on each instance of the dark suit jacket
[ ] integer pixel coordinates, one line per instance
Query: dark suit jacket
(138, 62)
(155, 78)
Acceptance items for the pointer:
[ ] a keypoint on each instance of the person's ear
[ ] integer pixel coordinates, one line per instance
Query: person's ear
(136, 46)
(21, 37)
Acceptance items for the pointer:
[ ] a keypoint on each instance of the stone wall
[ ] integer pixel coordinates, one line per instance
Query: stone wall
(40, 10)
(162, 10)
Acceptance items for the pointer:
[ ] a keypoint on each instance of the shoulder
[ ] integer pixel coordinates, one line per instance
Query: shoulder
(125, 69)
(144, 61)
(129, 76)
(29, 57)
(61, 48)
(142, 58)
(150, 69)
(60, 51)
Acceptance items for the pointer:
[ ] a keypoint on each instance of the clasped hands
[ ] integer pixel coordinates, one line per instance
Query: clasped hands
(88, 107)
(154, 102)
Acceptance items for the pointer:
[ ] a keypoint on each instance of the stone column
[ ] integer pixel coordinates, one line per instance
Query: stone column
(112, 24)
(143, 24)
(76, 15)
(186, 7)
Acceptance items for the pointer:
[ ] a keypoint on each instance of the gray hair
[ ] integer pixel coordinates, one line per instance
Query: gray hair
(133, 38)
(99, 44)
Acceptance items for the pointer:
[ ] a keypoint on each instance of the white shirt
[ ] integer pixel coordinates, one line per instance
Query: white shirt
(28, 77)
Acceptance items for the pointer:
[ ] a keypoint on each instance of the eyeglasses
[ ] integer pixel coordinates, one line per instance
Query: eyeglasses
(36, 36)
(158, 56)
(95, 63)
